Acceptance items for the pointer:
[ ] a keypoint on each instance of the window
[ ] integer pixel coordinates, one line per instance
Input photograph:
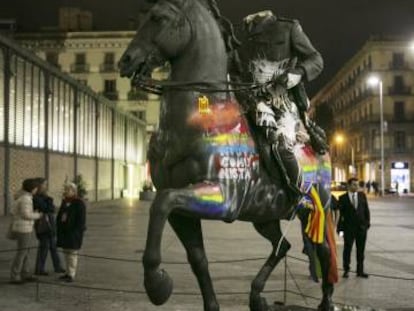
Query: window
(109, 58)
(399, 111)
(399, 141)
(26, 114)
(104, 132)
(80, 59)
(52, 58)
(398, 82)
(110, 91)
(109, 63)
(141, 115)
(80, 63)
(397, 60)
(132, 142)
(119, 139)
(86, 126)
(110, 86)
(61, 116)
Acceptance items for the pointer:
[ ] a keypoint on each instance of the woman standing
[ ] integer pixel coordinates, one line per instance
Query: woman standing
(71, 222)
(22, 227)
(45, 229)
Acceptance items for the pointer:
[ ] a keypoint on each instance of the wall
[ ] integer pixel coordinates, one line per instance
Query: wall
(86, 168)
(61, 169)
(25, 164)
(2, 180)
(104, 180)
(119, 179)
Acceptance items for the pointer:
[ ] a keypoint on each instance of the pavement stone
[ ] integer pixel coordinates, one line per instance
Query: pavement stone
(117, 230)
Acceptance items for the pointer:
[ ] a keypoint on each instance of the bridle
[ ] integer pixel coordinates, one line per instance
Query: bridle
(158, 87)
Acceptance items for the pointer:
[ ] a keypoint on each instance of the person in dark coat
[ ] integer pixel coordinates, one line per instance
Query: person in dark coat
(71, 224)
(45, 229)
(354, 222)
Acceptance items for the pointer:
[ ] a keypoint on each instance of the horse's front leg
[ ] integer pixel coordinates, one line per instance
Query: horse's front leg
(157, 282)
(271, 231)
(189, 232)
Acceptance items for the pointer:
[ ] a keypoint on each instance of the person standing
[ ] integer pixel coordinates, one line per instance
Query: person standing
(45, 229)
(368, 186)
(22, 227)
(354, 221)
(71, 224)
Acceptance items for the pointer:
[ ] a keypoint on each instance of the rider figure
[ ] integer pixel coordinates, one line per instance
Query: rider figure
(276, 49)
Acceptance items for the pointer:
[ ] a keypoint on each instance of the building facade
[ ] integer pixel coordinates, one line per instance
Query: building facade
(55, 127)
(355, 107)
(91, 58)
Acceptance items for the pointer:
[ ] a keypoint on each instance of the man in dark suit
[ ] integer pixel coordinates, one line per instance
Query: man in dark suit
(354, 221)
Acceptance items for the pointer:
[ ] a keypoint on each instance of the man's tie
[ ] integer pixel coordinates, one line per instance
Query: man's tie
(354, 202)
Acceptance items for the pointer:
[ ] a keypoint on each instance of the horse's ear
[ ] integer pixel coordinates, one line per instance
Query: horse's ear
(146, 6)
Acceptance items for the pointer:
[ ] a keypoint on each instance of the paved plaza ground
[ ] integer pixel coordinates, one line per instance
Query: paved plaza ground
(110, 275)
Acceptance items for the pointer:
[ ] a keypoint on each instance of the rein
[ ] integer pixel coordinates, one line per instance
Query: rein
(158, 87)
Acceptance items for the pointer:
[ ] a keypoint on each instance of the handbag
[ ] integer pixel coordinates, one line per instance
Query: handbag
(11, 235)
(42, 225)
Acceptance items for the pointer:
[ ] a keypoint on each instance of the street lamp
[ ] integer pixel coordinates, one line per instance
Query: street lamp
(340, 139)
(412, 46)
(375, 81)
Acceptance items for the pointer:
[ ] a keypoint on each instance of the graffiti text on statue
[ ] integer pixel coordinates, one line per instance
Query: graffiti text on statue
(235, 166)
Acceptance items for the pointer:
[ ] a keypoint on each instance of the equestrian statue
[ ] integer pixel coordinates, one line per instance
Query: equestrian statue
(219, 152)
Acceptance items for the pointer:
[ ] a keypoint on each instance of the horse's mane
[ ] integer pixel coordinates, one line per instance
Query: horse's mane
(226, 27)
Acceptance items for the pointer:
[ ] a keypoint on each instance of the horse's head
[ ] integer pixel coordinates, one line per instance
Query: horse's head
(163, 35)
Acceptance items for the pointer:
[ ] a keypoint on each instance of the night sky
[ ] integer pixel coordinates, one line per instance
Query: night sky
(337, 28)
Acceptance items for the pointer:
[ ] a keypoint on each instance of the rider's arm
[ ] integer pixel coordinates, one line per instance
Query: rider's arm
(309, 59)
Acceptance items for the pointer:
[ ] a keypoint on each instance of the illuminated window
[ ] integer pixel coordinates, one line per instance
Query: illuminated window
(399, 111)
(105, 132)
(1, 96)
(119, 139)
(399, 141)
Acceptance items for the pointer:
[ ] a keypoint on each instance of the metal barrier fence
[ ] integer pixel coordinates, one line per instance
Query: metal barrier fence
(287, 274)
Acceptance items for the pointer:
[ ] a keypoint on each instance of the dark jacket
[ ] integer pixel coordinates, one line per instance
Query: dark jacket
(71, 224)
(278, 39)
(352, 219)
(44, 204)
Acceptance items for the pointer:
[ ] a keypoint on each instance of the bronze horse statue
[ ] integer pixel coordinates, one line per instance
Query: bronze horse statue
(204, 159)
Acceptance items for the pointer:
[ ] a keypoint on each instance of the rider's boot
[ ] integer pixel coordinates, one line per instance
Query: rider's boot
(290, 169)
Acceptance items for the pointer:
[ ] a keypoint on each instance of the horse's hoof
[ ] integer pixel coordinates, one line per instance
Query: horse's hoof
(158, 286)
(259, 304)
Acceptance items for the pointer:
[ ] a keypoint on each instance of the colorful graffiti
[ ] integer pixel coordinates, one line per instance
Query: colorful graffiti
(230, 149)
(234, 163)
